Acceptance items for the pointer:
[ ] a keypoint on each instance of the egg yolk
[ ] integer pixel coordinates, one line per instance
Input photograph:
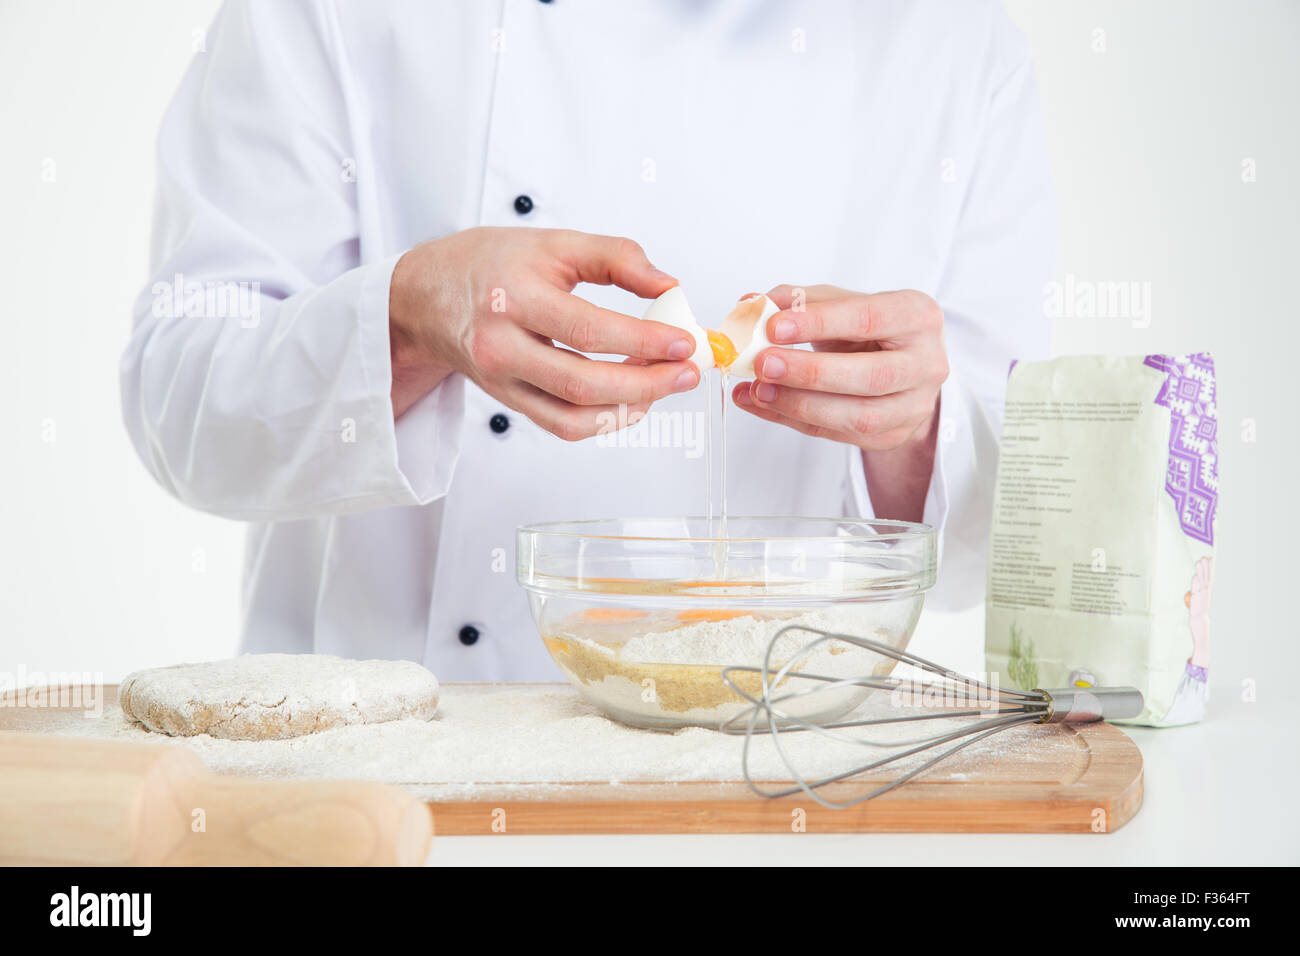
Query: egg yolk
(724, 350)
(611, 614)
(710, 614)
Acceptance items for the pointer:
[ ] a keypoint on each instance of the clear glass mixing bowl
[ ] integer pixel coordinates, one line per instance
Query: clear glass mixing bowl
(642, 614)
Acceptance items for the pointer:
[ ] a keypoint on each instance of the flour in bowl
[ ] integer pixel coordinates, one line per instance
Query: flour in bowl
(742, 639)
(670, 674)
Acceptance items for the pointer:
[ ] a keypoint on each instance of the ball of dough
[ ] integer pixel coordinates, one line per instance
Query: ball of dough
(273, 696)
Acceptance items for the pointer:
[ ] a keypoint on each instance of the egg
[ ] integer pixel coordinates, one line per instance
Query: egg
(671, 308)
(746, 323)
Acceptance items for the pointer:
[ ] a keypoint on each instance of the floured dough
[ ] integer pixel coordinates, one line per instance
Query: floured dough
(273, 696)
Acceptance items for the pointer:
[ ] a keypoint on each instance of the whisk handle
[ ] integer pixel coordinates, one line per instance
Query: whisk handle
(1084, 705)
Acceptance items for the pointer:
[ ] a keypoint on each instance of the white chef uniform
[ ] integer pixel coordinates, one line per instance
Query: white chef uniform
(872, 146)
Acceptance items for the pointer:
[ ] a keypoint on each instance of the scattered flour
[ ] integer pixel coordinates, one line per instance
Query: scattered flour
(494, 738)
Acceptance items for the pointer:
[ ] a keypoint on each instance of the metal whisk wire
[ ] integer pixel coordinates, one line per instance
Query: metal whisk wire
(998, 708)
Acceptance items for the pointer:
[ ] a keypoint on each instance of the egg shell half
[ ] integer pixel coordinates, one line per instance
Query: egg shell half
(747, 323)
(671, 308)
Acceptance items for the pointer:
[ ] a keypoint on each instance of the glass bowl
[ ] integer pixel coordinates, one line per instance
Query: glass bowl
(642, 614)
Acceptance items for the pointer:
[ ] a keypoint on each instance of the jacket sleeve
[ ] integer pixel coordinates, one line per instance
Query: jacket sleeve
(256, 381)
(991, 293)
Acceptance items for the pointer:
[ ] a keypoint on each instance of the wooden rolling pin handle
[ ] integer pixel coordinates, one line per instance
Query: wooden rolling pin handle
(64, 800)
(229, 821)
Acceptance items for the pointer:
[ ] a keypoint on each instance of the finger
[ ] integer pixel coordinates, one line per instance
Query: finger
(872, 422)
(588, 328)
(782, 295)
(579, 380)
(570, 422)
(786, 296)
(741, 396)
(611, 260)
(881, 372)
(885, 441)
(883, 316)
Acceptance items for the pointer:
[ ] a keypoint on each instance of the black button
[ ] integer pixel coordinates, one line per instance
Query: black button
(545, 1)
(498, 423)
(469, 635)
(523, 205)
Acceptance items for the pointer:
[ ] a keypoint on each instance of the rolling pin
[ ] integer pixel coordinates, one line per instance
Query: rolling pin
(65, 801)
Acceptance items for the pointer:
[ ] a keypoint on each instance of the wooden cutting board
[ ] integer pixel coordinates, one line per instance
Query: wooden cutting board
(1088, 781)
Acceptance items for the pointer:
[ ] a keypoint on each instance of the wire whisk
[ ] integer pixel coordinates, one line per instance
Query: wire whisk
(957, 696)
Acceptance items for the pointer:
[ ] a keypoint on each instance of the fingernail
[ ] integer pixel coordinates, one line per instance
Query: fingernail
(773, 367)
(686, 381)
(681, 349)
(765, 392)
(659, 273)
(784, 330)
(742, 398)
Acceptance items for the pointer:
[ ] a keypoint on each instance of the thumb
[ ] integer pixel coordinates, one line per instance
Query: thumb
(610, 260)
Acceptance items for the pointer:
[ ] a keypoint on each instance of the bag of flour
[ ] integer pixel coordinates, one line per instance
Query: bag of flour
(1102, 548)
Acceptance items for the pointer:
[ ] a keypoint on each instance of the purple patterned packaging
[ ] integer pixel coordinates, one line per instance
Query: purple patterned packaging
(1101, 557)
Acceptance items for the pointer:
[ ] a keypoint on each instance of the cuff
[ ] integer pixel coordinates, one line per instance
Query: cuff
(952, 409)
(419, 451)
(959, 500)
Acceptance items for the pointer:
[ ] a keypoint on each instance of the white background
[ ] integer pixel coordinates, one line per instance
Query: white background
(102, 572)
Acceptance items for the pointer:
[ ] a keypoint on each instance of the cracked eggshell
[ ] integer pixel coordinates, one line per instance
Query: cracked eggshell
(671, 308)
(747, 323)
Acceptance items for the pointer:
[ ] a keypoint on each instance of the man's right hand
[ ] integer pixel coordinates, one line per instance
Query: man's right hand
(495, 304)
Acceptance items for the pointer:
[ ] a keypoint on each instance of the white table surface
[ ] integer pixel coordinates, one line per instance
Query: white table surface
(1220, 792)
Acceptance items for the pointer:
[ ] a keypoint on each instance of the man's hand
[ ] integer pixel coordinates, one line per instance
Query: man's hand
(494, 304)
(872, 381)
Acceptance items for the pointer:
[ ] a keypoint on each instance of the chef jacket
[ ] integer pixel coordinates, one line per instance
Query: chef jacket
(869, 145)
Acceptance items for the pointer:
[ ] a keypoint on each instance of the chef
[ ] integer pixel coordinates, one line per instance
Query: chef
(401, 249)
